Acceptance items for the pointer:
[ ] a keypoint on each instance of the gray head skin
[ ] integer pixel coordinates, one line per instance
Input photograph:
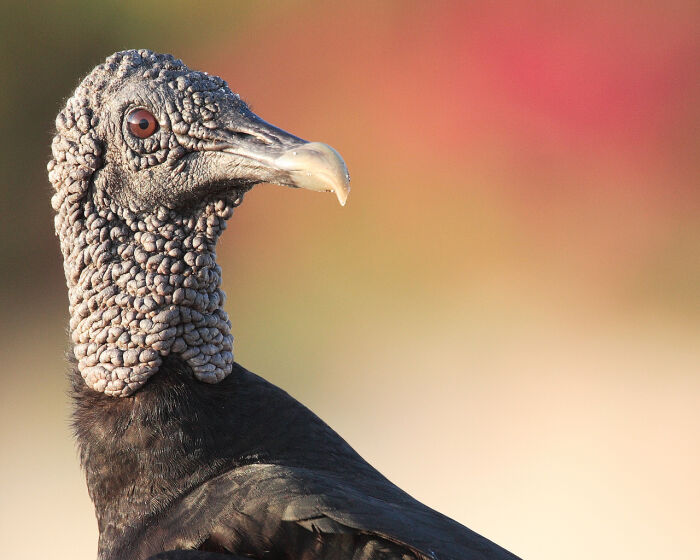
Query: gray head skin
(140, 204)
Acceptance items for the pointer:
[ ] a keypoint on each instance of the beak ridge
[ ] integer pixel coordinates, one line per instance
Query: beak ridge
(266, 154)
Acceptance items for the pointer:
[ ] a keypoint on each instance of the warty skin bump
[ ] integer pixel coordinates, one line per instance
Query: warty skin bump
(139, 216)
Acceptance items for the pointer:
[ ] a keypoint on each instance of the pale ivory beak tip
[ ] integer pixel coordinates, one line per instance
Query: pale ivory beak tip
(317, 167)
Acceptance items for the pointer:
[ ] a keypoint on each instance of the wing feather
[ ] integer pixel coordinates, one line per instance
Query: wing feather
(261, 508)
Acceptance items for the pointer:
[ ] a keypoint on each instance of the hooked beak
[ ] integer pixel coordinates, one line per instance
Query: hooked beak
(263, 153)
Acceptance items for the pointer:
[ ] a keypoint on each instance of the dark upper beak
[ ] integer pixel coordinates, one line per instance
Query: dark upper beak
(265, 153)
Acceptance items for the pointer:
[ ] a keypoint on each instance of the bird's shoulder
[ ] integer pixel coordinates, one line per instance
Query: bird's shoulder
(291, 487)
(262, 508)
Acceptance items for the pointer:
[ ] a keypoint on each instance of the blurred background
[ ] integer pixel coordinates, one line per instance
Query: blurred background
(505, 319)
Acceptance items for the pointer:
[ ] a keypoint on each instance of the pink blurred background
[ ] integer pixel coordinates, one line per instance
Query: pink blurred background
(505, 319)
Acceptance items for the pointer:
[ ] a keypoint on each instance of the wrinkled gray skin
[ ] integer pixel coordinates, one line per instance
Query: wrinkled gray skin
(138, 219)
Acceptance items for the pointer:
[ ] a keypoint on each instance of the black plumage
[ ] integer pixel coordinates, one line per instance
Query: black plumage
(242, 467)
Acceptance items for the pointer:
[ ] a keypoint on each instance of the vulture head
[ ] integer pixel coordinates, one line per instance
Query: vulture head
(149, 160)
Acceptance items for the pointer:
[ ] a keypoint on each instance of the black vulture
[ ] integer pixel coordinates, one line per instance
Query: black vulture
(186, 453)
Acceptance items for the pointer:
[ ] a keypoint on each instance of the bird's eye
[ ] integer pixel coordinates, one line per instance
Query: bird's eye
(142, 123)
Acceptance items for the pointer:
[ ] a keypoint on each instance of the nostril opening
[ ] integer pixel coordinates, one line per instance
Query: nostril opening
(243, 136)
(249, 138)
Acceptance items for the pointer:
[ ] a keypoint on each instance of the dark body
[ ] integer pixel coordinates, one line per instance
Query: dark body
(242, 468)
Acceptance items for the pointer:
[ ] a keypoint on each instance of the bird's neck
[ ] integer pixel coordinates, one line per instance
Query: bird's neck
(143, 286)
(142, 453)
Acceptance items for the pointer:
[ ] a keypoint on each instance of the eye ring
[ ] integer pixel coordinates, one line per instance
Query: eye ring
(141, 123)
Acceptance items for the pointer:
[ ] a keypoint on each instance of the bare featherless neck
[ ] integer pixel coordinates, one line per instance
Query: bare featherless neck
(149, 160)
(143, 286)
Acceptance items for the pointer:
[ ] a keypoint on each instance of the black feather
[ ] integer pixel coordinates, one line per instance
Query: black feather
(241, 467)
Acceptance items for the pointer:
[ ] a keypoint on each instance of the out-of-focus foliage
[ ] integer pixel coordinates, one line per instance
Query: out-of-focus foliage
(515, 281)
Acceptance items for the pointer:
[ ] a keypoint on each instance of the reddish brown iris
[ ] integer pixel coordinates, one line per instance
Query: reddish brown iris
(142, 123)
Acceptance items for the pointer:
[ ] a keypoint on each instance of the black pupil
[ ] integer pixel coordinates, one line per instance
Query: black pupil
(143, 124)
